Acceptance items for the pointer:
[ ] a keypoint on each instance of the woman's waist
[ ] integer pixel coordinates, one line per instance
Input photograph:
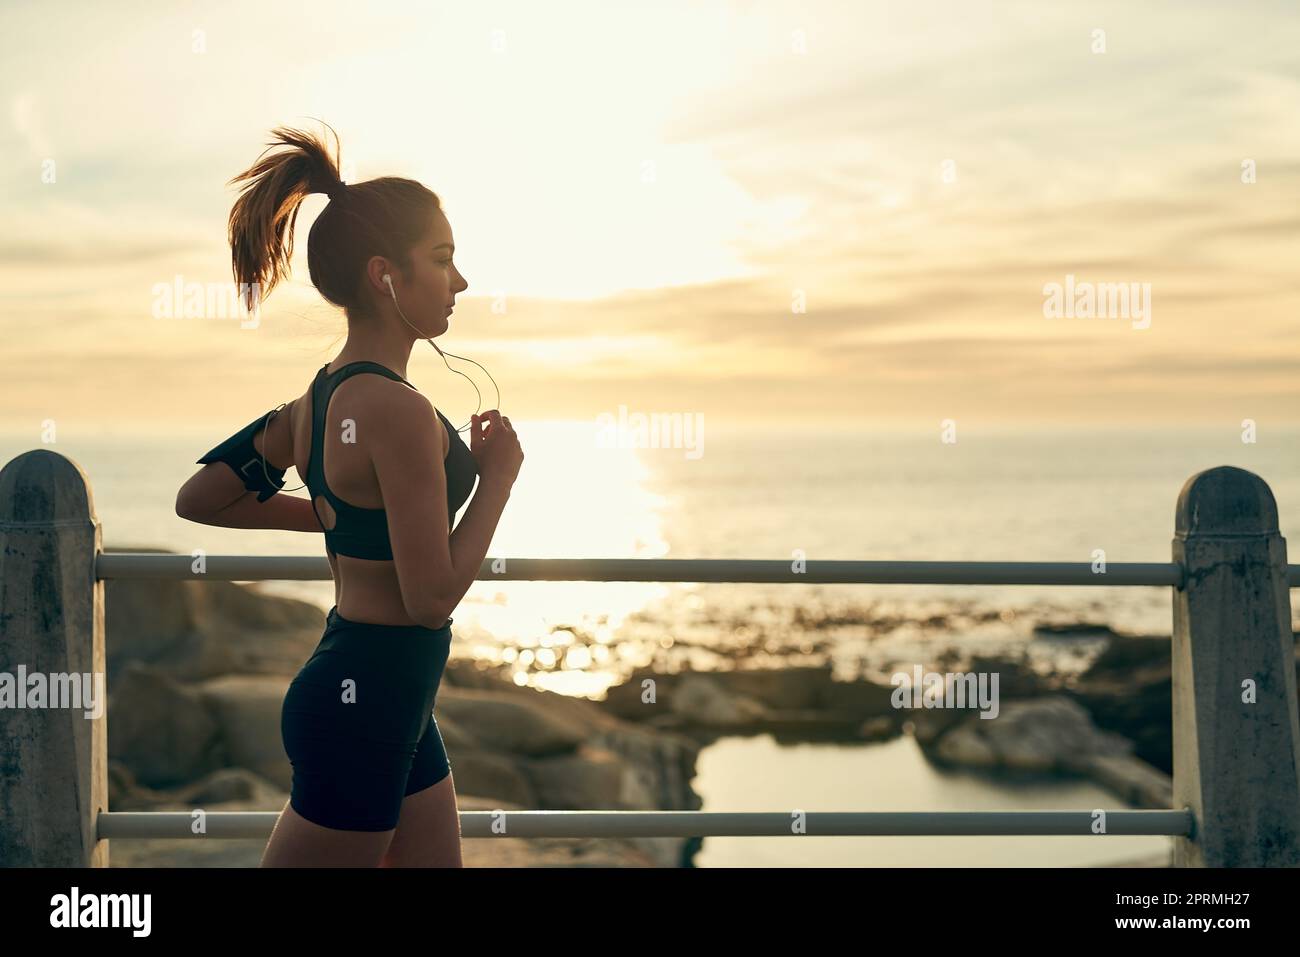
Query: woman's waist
(369, 593)
(370, 618)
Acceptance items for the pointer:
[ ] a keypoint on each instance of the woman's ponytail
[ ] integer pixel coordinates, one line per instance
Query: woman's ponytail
(262, 220)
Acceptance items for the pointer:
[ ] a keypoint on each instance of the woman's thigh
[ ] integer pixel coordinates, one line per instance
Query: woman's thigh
(428, 830)
(298, 842)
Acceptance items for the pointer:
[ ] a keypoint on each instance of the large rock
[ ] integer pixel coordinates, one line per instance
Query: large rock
(702, 700)
(247, 710)
(220, 787)
(194, 629)
(1052, 734)
(928, 725)
(563, 852)
(550, 751)
(160, 729)
(548, 851)
(508, 722)
(1072, 631)
(1123, 653)
(659, 766)
(1128, 690)
(803, 699)
(862, 699)
(597, 778)
(1044, 734)
(794, 688)
(588, 779)
(1016, 679)
(663, 763)
(1131, 779)
(454, 735)
(489, 775)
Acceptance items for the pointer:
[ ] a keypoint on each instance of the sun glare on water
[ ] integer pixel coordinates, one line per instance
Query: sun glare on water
(573, 499)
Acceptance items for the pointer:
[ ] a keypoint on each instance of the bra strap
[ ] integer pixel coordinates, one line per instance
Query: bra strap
(321, 390)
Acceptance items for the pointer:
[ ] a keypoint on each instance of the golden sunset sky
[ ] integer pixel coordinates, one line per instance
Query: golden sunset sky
(816, 212)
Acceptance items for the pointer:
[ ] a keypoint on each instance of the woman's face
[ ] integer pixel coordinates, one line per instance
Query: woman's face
(427, 288)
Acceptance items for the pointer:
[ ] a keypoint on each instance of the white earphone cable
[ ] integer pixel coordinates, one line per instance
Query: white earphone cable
(479, 396)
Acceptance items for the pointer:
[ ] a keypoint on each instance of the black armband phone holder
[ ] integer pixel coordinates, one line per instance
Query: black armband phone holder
(243, 458)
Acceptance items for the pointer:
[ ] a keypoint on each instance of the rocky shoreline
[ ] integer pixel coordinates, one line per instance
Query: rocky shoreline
(197, 673)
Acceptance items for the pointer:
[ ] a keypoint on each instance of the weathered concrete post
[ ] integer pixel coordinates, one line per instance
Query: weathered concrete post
(53, 759)
(1236, 731)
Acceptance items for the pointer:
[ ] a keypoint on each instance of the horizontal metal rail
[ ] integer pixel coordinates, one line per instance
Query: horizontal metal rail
(487, 824)
(164, 565)
(148, 565)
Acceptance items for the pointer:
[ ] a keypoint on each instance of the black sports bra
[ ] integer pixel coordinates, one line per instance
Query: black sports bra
(363, 532)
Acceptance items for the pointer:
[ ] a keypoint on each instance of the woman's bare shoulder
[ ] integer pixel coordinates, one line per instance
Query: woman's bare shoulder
(399, 411)
(385, 395)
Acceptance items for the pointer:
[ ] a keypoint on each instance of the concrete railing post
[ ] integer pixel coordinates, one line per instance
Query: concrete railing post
(1236, 730)
(53, 758)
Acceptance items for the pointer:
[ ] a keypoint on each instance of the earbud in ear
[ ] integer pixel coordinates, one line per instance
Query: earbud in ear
(388, 280)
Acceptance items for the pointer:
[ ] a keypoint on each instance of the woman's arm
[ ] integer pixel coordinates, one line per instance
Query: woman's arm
(215, 495)
(435, 567)
(288, 512)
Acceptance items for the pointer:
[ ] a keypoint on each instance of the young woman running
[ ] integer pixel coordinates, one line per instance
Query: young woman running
(386, 471)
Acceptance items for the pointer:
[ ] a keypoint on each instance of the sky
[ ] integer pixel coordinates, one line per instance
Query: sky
(766, 214)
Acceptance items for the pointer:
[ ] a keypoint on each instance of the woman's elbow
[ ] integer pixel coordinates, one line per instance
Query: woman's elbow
(431, 613)
(187, 508)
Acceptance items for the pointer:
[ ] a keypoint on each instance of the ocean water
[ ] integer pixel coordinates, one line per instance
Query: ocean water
(1029, 496)
(1048, 495)
(757, 774)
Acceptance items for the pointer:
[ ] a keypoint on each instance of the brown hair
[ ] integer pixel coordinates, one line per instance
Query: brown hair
(380, 217)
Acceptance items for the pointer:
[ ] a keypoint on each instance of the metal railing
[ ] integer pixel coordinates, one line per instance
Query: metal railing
(153, 824)
(1236, 723)
(159, 565)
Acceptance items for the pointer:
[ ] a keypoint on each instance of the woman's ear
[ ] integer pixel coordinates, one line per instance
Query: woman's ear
(377, 267)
